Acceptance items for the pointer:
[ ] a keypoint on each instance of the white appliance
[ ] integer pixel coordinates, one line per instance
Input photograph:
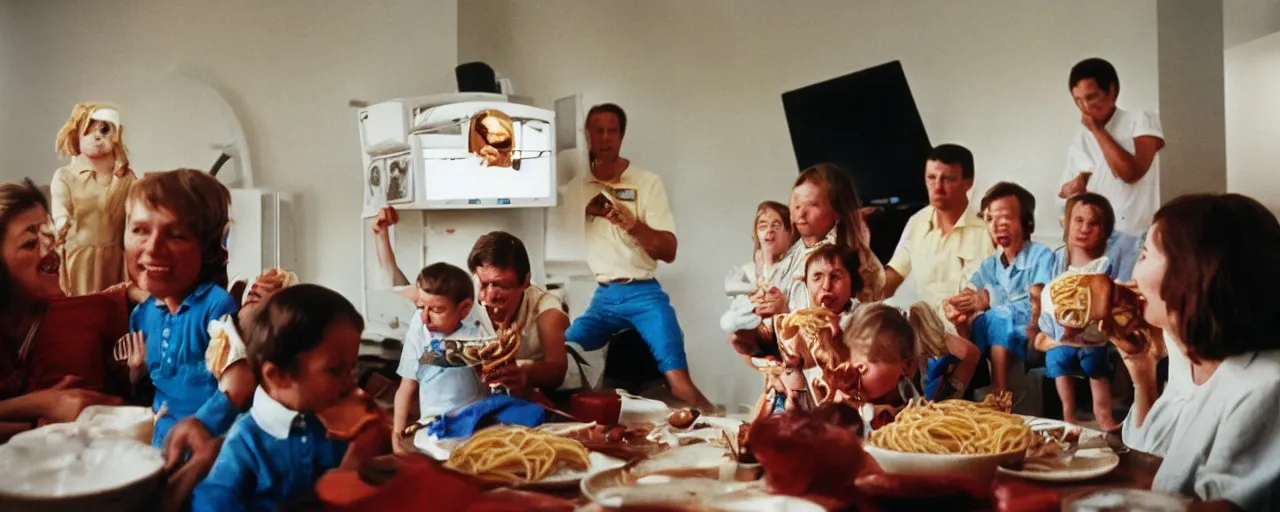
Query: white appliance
(434, 153)
(261, 235)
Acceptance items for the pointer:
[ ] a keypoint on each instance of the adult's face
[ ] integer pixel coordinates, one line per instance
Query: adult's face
(161, 252)
(1004, 221)
(29, 257)
(604, 136)
(947, 185)
(501, 291)
(811, 212)
(1093, 100)
(1084, 228)
(1148, 273)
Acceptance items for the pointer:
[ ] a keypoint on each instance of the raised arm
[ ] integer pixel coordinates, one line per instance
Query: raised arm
(386, 218)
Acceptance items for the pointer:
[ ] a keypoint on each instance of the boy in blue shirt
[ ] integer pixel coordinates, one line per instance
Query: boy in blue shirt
(445, 297)
(996, 309)
(175, 222)
(302, 345)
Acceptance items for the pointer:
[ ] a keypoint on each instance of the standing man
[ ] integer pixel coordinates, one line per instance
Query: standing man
(629, 229)
(943, 243)
(1115, 153)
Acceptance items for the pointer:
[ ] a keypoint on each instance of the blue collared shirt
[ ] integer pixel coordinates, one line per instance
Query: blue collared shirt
(440, 389)
(271, 455)
(176, 345)
(1012, 283)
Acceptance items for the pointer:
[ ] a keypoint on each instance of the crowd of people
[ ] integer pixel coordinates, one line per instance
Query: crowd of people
(111, 286)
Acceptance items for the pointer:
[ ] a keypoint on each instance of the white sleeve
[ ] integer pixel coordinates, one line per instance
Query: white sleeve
(1241, 466)
(1148, 125)
(414, 345)
(1078, 161)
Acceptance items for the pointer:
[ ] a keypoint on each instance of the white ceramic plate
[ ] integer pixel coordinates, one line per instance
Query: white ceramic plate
(599, 462)
(1088, 463)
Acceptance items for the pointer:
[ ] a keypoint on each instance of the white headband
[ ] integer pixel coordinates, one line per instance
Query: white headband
(109, 115)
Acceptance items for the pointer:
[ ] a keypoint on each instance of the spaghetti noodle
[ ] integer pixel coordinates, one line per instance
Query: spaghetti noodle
(954, 427)
(512, 455)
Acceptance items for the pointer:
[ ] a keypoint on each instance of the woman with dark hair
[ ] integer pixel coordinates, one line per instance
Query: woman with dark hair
(1209, 275)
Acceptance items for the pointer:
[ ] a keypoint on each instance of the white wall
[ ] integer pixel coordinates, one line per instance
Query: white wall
(701, 82)
(288, 67)
(1253, 108)
(1192, 113)
(1246, 20)
(15, 66)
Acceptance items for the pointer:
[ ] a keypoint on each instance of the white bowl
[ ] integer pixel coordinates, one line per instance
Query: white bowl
(979, 467)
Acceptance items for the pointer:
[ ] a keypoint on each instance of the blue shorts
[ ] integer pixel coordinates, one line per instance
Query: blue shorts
(1002, 326)
(939, 371)
(641, 305)
(1066, 361)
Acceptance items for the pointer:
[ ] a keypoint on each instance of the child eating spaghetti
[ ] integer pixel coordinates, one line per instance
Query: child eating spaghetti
(302, 345)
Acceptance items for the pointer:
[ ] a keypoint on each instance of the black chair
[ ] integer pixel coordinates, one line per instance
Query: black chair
(630, 365)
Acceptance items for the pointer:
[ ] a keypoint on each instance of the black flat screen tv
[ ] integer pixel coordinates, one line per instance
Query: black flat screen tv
(867, 123)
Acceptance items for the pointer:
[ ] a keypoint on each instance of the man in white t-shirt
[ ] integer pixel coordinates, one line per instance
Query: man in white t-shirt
(1115, 153)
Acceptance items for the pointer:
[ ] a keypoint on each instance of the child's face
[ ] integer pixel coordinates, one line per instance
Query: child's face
(97, 140)
(829, 284)
(1084, 230)
(772, 234)
(880, 380)
(440, 314)
(324, 375)
(161, 253)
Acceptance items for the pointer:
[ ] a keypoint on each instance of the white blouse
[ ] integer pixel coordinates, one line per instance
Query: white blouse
(1220, 440)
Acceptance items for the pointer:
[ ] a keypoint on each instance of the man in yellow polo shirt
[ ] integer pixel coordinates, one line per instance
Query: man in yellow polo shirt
(943, 243)
(629, 229)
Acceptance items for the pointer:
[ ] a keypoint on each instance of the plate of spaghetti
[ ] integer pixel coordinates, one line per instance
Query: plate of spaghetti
(514, 456)
(955, 437)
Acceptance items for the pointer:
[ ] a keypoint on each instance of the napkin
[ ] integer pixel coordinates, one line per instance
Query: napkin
(494, 410)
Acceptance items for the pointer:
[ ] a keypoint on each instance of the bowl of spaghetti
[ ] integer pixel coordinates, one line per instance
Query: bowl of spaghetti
(951, 437)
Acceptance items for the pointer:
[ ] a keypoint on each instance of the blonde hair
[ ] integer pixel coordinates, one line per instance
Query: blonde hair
(198, 200)
(68, 145)
(775, 207)
(879, 333)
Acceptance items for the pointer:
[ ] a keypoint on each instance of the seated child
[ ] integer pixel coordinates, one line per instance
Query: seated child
(772, 237)
(446, 294)
(175, 222)
(302, 344)
(883, 349)
(1090, 222)
(996, 308)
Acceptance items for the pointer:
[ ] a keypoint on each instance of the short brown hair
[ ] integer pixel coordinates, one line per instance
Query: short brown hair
(775, 207)
(447, 281)
(610, 108)
(198, 200)
(846, 257)
(16, 199)
(881, 334)
(1221, 273)
(1097, 201)
(500, 249)
(843, 198)
(293, 321)
(1026, 204)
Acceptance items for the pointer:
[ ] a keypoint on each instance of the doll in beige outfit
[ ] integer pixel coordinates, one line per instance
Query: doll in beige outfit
(88, 197)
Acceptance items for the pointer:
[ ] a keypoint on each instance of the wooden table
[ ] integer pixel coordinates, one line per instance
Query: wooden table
(1136, 471)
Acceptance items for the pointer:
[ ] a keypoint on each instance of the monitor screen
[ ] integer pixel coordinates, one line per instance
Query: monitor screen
(508, 161)
(867, 123)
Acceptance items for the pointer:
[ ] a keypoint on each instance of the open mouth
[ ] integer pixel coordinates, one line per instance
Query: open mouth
(155, 270)
(828, 301)
(50, 264)
(1003, 241)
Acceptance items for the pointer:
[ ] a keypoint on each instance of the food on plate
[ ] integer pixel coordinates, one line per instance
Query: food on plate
(487, 354)
(1084, 301)
(346, 419)
(810, 452)
(953, 427)
(618, 441)
(119, 422)
(683, 418)
(513, 455)
(693, 461)
(75, 459)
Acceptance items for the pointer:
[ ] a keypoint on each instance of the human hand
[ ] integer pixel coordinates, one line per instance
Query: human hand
(387, 217)
(58, 404)
(953, 314)
(620, 216)
(598, 205)
(510, 376)
(967, 301)
(134, 345)
(771, 302)
(264, 286)
(188, 436)
(1044, 343)
(1076, 186)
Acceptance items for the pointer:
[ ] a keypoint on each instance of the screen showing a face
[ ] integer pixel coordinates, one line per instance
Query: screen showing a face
(507, 158)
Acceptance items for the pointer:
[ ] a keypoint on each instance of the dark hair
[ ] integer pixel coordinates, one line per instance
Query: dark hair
(847, 257)
(201, 202)
(775, 207)
(842, 197)
(448, 281)
(1095, 200)
(954, 154)
(1101, 71)
(500, 249)
(1221, 277)
(292, 322)
(15, 199)
(1026, 203)
(610, 108)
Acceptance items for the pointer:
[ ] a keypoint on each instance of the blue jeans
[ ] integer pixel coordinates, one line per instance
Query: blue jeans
(1090, 362)
(641, 305)
(1004, 326)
